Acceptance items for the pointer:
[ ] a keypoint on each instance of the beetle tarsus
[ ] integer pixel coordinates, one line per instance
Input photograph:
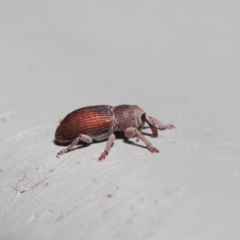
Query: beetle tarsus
(153, 149)
(59, 154)
(103, 156)
(170, 126)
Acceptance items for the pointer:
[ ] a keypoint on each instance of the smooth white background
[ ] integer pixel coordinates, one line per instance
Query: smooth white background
(178, 60)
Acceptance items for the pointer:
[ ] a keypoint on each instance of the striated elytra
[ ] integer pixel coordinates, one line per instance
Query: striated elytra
(100, 122)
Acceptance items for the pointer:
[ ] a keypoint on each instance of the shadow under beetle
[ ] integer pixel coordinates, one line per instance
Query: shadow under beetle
(100, 122)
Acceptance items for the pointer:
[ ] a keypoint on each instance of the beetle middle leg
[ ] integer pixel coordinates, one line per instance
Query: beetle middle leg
(110, 141)
(132, 132)
(159, 124)
(81, 137)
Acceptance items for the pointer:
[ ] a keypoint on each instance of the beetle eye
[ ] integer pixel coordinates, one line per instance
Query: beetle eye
(143, 117)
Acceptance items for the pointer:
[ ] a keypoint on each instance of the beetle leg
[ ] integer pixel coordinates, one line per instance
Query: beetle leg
(140, 130)
(110, 141)
(81, 137)
(158, 124)
(132, 132)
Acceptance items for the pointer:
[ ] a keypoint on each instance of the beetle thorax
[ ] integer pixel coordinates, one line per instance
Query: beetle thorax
(125, 116)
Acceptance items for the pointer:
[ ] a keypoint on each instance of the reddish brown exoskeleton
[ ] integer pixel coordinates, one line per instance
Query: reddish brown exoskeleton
(100, 122)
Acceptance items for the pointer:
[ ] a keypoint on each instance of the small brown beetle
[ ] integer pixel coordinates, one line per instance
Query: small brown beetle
(100, 122)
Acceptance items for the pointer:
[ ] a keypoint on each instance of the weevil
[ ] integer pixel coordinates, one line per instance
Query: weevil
(100, 122)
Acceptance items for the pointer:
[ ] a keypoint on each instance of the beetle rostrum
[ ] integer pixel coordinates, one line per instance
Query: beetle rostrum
(100, 122)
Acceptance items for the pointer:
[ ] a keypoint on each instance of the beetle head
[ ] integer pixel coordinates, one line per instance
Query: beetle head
(142, 118)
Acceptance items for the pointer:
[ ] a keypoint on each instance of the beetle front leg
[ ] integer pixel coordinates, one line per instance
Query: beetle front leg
(81, 137)
(132, 132)
(140, 130)
(110, 141)
(159, 124)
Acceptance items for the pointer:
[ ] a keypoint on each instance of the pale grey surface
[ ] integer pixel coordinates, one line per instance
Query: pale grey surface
(179, 61)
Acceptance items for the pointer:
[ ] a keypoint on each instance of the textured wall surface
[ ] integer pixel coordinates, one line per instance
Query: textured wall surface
(177, 60)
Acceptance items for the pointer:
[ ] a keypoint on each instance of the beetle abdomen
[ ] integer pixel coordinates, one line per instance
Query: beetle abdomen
(94, 121)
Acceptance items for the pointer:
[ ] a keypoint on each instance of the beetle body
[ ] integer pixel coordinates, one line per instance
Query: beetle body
(100, 122)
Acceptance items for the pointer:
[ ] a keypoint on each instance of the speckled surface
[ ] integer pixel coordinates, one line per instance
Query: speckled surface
(178, 61)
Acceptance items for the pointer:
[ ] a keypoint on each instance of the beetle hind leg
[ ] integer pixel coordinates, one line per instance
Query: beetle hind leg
(159, 124)
(81, 137)
(110, 141)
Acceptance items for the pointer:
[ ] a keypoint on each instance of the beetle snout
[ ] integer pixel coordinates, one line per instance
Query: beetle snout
(153, 128)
